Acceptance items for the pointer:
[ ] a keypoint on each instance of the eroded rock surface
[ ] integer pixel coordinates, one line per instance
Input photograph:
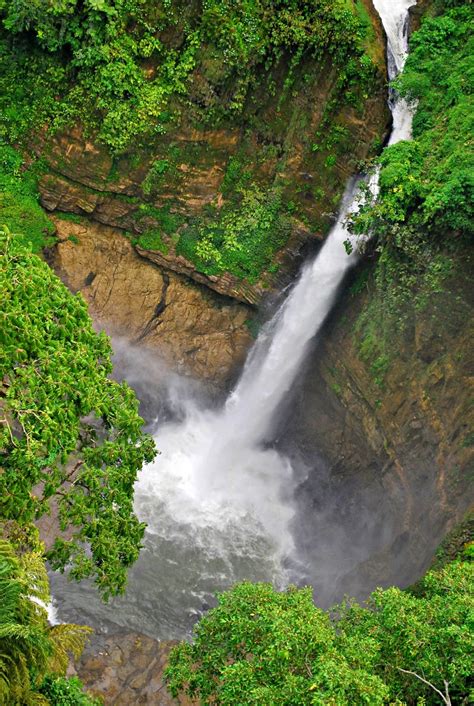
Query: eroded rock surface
(126, 669)
(186, 325)
(391, 461)
(302, 141)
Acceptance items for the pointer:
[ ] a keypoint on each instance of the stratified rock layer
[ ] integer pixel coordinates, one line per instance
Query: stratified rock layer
(392, 459)
(298, 135)
(187, 326)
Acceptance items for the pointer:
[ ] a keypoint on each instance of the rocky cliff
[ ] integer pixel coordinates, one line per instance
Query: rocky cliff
(305, 145)
(194, 330)
(287, 156)
(392, 455)
(126, 669)
(84, 179)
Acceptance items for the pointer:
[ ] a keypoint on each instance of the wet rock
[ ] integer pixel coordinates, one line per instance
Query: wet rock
(397, 455)
(126, 669)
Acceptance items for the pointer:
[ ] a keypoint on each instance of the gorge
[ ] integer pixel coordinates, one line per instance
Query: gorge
(281, 257)
(219, 500)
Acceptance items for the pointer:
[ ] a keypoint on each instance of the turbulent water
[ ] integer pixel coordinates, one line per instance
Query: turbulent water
(218, 501)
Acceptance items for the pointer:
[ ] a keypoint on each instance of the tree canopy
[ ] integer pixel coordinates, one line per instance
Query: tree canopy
(122, 66)
(259, 646)
(70, 435)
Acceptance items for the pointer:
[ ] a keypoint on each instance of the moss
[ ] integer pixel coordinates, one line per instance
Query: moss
(241, 238)
(457, 545)
(169, 222)
(71, 217)
(153, 240)
(370, 40)
(253, 326)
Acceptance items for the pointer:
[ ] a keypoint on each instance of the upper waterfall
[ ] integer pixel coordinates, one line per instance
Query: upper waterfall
(395, 19)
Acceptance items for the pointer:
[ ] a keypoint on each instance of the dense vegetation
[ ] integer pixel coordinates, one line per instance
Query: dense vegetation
(71, 438)
(262, 647)
(33, 655)
(19, 200)
(424, 213)
(120, 65)
(70, 435)
(129, 71)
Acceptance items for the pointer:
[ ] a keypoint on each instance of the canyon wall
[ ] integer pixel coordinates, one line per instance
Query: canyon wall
(390, 457)
(127, 223)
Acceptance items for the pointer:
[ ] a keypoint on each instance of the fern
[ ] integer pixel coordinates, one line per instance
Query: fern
(29, 647)
(66, 640)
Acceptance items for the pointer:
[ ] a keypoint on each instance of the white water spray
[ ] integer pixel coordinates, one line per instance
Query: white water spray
(215, 484)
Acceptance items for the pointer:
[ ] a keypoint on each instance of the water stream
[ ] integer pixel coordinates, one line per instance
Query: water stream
(218, 500)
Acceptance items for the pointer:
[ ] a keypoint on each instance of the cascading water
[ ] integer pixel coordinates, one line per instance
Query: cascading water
(394, 16)
(218, 501)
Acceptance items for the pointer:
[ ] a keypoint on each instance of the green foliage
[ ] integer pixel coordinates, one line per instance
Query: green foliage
(242, 239)
(31, 83)
(154, 176)
(263, 647)
(19, 200)
(157, 237)
(430, 634)
(69, 432)
(62, 691)
(29, 647)
(122, 65)
(236, 176)
(153, 240)
(259, 646)
(429, 182)
(424, 211)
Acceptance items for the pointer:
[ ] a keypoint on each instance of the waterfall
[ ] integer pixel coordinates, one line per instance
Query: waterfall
(218, 500)
(394, 16)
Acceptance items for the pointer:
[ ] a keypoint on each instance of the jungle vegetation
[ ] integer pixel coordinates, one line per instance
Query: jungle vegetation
(121, 65)
(423, 219)
(69, 432)
(72, 437)
(33, 654)
(259, 646)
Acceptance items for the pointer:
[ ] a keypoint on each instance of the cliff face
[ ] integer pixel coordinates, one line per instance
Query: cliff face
(194, 330)
(131, 251)
(397, 453)
(290, 151)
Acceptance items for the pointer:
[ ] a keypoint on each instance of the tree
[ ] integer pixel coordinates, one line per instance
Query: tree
(69, 435)
(423, 636)
(263, 647)
(30, 648)
(259, 646)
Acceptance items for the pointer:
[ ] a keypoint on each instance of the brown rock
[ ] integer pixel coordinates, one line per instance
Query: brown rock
(272, 141)
(126, 669)
(128, 296)
(400, 453)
